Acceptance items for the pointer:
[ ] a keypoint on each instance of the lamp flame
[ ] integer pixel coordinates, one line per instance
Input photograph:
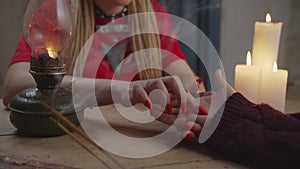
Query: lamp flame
(275, 68)
(48, 26)
(268, 18)
(52, 53)
(248, 59)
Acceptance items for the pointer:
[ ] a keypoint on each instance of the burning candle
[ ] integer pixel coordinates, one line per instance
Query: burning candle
(273, 87)
(247, 79)
(266, 43)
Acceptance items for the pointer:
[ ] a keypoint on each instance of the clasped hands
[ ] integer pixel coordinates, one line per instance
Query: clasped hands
(167, 100)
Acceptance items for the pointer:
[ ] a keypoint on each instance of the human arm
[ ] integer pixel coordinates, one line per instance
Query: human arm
(255, 134)
(129, 93)
(107, 91)
(242, 136)
(17, 79)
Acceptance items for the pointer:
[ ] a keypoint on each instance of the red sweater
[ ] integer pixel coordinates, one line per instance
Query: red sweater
(257, 135)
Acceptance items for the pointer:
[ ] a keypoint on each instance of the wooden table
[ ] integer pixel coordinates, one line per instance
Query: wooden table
(62, 150)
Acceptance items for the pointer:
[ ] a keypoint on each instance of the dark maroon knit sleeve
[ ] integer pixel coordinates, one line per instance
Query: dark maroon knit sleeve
(257, 134)
(262, 114)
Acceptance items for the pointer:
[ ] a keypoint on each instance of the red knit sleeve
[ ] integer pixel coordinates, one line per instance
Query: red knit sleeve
(22, 52)
(257, 135)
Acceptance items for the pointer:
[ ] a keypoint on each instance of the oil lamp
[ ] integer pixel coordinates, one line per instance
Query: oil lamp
(48, 29)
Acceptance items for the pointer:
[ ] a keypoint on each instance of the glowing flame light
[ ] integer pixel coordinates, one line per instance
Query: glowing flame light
(48, 26)
(52, 53)
(248, 59)
(268, 18)
(275, 69)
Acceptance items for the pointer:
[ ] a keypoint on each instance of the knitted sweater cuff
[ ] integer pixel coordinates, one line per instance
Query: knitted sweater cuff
(243, 119)
(262, 114)
(244, 133)
(231, 135)
(237, 103)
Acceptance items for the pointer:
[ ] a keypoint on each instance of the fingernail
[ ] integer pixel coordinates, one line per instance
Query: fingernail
(189, 127)
(148, 104)
(169, 109)
(189, 136)
(199, 80)
(184, 107)
(202, 110)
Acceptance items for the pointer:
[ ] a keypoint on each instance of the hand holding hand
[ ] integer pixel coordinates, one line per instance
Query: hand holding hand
(168, 88)
(212, 101)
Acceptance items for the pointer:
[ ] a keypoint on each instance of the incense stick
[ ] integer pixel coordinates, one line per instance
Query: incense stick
(78, 141)
(79, 131)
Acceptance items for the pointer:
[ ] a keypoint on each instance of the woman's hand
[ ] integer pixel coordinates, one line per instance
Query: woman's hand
(206, 101)
(166, 98)
(166, 91)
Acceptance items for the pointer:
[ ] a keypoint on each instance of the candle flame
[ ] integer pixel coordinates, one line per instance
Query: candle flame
(268, 18)
(275, 68)
(248, 59)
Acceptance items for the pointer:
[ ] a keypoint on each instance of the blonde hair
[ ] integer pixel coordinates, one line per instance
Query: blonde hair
(149, 66)
(84, 29)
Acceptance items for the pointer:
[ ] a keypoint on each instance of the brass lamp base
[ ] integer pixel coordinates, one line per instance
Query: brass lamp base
(31, 118)
(28, 114)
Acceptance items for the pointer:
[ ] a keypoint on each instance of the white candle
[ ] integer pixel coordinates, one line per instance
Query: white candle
(273, 87)
(247, 79)
(266, 43)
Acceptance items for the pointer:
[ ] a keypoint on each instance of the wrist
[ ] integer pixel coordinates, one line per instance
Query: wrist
(68, 81)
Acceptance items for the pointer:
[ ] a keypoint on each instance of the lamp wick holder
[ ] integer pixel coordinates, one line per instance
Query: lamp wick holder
(47, 72)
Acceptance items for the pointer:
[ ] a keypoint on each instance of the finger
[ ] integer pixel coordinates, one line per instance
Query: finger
(174, 83)
(197, 129)
(198, 106)
(175, 103)
(205, 101)
(167, 119)
(200, 119)
(189, 135)
(159, 94)
(158, 84)
(163, 117)
(193, 88)
(176, 107)
(175, 111)
(220, 83)
(139, 95)
(202, 110)
(175, 132)
(192, 103)
(158, 99)
(194, 127)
